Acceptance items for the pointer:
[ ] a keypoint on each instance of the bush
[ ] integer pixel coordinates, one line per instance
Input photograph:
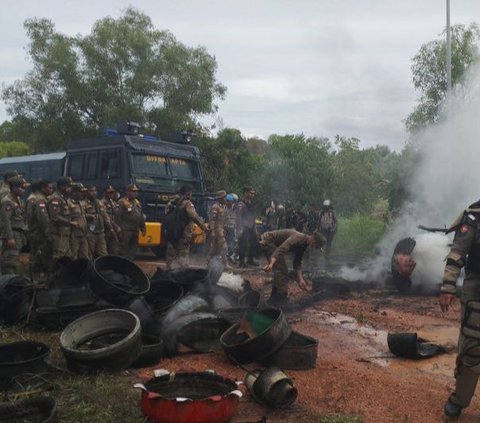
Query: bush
(357, 235)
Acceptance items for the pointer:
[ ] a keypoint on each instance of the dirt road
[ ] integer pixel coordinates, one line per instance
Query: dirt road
(356, 373)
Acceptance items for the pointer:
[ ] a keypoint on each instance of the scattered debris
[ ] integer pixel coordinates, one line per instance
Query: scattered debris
(107, 340)
(268, 331)
(272, 387)
(409, 345)
(22, 357)
(15, 299)
(39, 409)
(299, 352)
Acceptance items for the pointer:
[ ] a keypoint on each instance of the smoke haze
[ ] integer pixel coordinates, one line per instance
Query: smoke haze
(446, 181)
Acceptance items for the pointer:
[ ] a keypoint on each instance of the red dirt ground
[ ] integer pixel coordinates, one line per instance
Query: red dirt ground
(355, 372)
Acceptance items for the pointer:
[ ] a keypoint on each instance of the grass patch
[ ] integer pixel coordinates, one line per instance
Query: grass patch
(84, 398)
(357, 235)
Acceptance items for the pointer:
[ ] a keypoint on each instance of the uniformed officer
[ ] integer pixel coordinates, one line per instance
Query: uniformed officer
(246, 228)
(78, 238)
(178, 253)
(38, 223)
(276, 244)
(131, 220)
(5, 187)
(14, 224)
(230, 225)
(328, 225)
(218, 243)
(34, 195)
(112, 208)
(61, 225)
(98, 224)
(313, 218)
(465, 252)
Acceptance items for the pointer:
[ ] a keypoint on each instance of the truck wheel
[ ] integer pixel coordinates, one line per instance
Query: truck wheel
(160, 251)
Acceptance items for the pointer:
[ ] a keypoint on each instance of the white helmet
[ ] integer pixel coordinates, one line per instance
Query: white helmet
(326, 203)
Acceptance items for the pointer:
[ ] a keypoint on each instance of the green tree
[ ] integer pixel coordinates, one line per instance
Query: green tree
(227, 161)
(124, 69)
(295, 168)
(13, 148)
(430, 75)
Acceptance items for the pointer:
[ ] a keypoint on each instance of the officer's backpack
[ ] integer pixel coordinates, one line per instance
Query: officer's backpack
(174, 224)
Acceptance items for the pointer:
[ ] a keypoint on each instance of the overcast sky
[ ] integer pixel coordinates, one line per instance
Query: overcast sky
(313, 66)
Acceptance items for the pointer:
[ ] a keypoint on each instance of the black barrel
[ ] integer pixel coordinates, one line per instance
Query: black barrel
(298, 353)
(189, 278)
(107, 340)
(163, 295)
(22, 357)
(15, 299)
(118, 280)
(240, 348)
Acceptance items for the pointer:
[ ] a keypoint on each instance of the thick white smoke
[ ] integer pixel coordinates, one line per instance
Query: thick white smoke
(446, 181)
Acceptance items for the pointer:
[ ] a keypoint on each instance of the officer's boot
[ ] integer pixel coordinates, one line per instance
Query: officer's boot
(241, 261)
(466, 382)
(451, 409)
(277, 298)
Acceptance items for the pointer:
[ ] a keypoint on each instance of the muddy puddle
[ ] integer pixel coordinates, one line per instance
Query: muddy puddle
(362, 342)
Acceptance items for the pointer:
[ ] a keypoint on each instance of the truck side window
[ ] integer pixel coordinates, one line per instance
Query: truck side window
(110, 164)
(92, 165)
(75, 167)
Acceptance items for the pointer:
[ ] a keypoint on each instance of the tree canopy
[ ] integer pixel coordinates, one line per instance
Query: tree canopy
(430, 74)
(308, 170)
(125, 69)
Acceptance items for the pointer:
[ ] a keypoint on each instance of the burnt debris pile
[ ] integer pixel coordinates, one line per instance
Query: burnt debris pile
(113, 317)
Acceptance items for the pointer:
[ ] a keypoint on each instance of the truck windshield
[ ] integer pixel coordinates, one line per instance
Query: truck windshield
(163, 167)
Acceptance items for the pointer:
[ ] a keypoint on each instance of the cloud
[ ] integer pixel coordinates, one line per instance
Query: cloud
(314, 66)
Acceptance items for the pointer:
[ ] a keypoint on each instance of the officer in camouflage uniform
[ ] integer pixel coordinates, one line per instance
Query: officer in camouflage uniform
(465, 252)
(313, 219)
(34, 195)
(276, 244)
(178, 254)
(38, 223)
(5, 187)
(218, 243)
(78, 238)
(230, 224)
(61, 225)
(131, 220)
(246, 228)
(98, 223)
(112, 208)
(14, 225)
(328, 225)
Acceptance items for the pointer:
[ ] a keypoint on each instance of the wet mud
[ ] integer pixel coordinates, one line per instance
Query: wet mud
(355, 372)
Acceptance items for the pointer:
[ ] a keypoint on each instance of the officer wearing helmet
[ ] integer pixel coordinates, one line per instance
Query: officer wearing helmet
(327, 225)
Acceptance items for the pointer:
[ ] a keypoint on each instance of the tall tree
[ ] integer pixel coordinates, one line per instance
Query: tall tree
(430, 74)
(295, 168)
(227, 161)
(123, 69)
